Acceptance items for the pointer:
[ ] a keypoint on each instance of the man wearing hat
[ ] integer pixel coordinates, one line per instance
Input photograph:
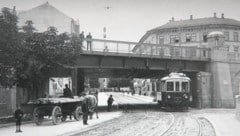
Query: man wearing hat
(85, 109)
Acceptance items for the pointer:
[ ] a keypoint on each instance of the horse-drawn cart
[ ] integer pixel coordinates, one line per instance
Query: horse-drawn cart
(56, 108)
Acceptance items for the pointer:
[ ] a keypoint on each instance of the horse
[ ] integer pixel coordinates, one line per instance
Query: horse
(92, 105)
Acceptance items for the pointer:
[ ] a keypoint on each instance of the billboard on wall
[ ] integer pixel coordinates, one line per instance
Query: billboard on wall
(57, 84)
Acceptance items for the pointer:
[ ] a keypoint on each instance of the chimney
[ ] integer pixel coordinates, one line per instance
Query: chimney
(222, 15)
(215, 15)
(191, 17)
(172, 19)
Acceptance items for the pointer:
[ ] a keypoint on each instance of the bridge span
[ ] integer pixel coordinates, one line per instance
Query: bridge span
(214, 71)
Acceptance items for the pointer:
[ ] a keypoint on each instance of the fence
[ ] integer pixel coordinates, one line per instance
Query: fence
(7, 101)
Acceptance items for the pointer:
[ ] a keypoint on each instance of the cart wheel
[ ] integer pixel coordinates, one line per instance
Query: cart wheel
(56, 115)
(77, 113)
(38, 119)
(64, 118)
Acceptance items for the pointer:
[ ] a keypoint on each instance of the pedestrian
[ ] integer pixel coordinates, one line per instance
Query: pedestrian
(110, 102)
(67, 92)
(89, 42)
(85, 109)
(81, 36)
(18, 116)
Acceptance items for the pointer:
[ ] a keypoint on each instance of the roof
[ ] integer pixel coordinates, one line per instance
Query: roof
(199, 22)
(176, 76)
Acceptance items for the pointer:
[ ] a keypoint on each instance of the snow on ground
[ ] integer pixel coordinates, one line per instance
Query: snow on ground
(124, 98)
(223, 120)
(65, 128)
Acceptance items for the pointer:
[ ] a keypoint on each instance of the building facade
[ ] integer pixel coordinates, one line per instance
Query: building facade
(220, 82)
(45, 15)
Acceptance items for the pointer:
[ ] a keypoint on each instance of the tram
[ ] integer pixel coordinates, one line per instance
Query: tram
(173, 91)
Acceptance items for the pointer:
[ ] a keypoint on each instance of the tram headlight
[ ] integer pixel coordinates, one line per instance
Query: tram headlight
(168, 96)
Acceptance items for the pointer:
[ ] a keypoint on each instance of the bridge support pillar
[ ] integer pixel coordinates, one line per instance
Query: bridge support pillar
(204, 90)
(222, 86)
(78, 78)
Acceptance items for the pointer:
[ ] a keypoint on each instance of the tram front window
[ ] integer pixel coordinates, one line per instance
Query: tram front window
(177, 87)
(169, 86)
(184, 86)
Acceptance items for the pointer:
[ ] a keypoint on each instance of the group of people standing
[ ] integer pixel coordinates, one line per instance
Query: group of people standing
(89, 40)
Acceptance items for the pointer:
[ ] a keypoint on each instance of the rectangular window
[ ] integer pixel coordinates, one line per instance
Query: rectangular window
(170, 86)
(161, 40)
(153, 86)
(235, 36)
(204, 53)
(235, 49)
(226, 34)
(185, 86)
(205, 36)
(174, 39)
(177, 87)
(188, 38)
(193, 37)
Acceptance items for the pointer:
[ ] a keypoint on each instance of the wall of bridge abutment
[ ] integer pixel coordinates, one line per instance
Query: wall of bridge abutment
(225, 78)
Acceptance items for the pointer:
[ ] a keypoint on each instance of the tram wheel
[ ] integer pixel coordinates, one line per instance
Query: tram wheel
(56, 115)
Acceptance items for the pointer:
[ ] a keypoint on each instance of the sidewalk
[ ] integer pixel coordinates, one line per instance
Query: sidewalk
(65, 128)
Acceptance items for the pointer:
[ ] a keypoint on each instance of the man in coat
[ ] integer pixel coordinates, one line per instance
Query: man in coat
(85, 110)
(18, 116)
(110, 102)
(67, 92)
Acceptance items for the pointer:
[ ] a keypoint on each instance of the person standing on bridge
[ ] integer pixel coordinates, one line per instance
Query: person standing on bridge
(81, 36)
(110, 102)
(89, 42)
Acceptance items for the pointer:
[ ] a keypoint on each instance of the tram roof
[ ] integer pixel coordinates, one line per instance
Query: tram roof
(171, 76)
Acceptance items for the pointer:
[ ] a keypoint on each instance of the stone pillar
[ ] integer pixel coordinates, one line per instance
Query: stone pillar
(74, 74)
(80, 81)
(222, 85)
(238, 107)
(204, 90)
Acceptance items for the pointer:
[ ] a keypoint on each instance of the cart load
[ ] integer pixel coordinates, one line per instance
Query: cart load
(57, 109)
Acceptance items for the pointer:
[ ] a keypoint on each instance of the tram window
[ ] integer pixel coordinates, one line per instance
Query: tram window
(177, 87)
(158, 87)
(184, 86)
(169, 86)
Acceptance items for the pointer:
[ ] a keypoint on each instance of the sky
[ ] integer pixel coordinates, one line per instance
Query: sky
(129, 20)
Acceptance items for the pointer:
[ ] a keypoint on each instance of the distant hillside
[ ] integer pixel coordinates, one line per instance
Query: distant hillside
(46, 15)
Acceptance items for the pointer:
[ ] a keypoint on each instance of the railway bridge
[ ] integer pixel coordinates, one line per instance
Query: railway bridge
(213, 69)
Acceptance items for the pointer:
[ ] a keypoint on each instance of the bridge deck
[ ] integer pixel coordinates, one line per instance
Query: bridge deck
(144, 50)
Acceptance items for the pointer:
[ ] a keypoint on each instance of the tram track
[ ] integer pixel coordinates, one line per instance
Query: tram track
(199, 126)
(152, 123)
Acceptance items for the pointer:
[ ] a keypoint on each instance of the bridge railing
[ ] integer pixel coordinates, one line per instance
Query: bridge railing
(111, 47)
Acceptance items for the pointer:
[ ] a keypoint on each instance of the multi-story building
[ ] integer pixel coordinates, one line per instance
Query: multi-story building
(194, 32)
